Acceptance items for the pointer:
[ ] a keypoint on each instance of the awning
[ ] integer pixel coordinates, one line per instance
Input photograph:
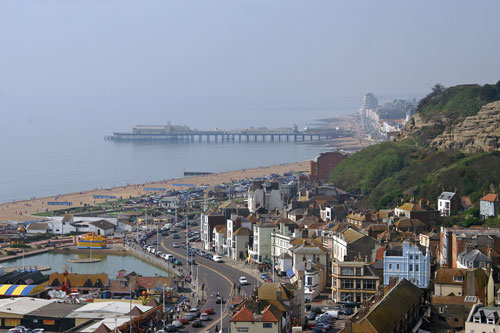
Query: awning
(290, 273)
(19, 289)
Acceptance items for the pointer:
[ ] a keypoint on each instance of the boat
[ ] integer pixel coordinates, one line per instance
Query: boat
(92, 241)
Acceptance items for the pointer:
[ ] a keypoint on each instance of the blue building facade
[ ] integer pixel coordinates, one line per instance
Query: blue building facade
(411, 262)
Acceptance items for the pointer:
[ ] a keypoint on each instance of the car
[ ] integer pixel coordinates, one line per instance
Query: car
(243, 280)
(264, 276)
(39, 330)
(171, 328)
(204, 317)
(218, 300)
(190, 316)
(317, 310)
(176, 245)
(177, 324)
(217, 258)
(191, 262)
(16, 330)
(155, 242)
(176, 236)
(197, 323)
(178, 262)
(323, 325)
(195, 311)
(311, 316)
(209, 311)
(183, 320)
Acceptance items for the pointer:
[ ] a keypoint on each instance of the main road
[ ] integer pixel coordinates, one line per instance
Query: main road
(216, 277)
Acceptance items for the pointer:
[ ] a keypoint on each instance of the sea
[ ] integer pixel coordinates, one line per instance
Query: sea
(53, 153)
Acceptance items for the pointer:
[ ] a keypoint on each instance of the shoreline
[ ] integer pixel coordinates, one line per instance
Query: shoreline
(22, 210)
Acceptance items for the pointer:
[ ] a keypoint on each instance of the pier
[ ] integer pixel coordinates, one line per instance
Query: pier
(184, 134)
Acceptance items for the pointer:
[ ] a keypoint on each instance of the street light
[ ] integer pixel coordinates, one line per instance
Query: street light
(221, 301)
(164, 314)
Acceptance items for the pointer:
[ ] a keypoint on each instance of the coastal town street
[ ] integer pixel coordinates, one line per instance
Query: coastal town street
(216, 277)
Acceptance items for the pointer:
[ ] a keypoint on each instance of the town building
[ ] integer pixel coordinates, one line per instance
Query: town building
(350, 245)
(353, 281)
(488, 206)
(267, 195)
(407, 261)
(208, 222)
(419, 211)
(322, 166)
(261, 246)
(399, 310)
(448, 202)
(483, 319)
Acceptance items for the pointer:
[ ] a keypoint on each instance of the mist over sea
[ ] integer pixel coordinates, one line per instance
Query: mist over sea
(58, 151)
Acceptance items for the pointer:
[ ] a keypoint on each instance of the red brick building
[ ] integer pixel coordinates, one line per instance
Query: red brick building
(322, 166)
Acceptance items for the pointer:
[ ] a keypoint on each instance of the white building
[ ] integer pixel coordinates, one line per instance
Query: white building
(261, 247)
(488, 206)
(241, 239)
(265, 194)
(280, 239)
(233, 224)
(483, 319)
(219, 240)
(445, 203)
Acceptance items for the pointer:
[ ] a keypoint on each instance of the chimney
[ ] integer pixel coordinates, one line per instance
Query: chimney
(392, 282)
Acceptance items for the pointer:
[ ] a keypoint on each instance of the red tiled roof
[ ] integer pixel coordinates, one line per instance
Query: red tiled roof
(244, 314)
(269, 315)
(490, 197)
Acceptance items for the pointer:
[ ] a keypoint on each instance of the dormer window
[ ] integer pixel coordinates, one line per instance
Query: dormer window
(458, 278)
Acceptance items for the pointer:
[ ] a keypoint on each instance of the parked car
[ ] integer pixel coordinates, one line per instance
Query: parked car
(176, 236)
(171, 328)
(176, 245)
(183, 320)
(243, 280)
(209, 311)
(190, 316)
(197, 323)
(218, 300)
(204, 317)
(218, 258)
(264, 276)
(177, 324)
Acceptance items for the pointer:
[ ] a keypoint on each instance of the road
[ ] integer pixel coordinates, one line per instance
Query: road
(215, 276)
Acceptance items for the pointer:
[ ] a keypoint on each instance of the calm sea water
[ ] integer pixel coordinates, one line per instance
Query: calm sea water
(61, 153)
(109, 264)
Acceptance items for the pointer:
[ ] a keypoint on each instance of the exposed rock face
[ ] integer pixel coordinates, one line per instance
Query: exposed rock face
(475, 133)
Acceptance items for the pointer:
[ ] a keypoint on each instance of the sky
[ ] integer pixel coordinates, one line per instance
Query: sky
(235, 63)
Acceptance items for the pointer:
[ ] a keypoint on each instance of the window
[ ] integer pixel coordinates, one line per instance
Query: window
(347, 271)
(358, 271)
(411, 256)
(416, 268)
(490, 321)
(441, 309)
(358, 284)
(267, 325)
(416, 256)
(458, 278)
(390, 267)
(334, 269)
(309, 281)
(397, 267)
(369, 284)
(347, 284)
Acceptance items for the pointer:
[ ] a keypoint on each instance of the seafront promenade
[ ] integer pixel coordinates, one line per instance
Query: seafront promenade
(22, 210)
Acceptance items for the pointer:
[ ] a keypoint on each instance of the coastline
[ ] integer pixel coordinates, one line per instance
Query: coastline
(22, 210)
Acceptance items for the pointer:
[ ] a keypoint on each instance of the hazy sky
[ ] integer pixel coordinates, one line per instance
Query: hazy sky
(234, 63)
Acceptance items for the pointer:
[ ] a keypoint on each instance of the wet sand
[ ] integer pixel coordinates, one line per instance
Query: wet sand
(22, 210)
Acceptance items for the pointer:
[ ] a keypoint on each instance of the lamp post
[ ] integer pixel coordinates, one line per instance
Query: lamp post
(164, 314)
(221, 301)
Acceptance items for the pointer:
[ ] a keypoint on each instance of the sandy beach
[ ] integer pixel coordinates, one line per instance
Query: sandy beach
(22, 210)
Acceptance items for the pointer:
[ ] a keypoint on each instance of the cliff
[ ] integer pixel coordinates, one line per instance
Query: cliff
(475, 133)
